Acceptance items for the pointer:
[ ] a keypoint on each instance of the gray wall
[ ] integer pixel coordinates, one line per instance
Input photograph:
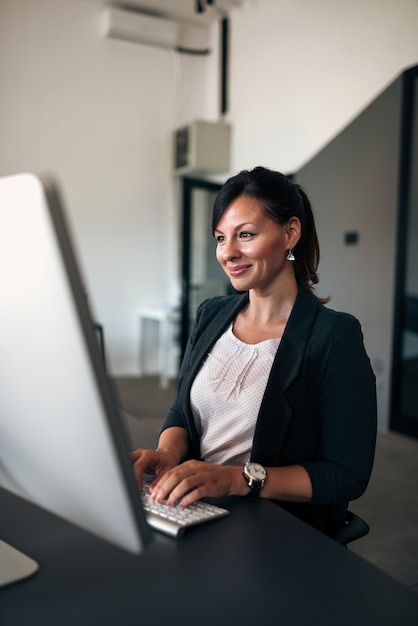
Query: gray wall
(353, 186)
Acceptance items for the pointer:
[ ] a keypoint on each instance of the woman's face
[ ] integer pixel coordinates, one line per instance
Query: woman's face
(252, 248)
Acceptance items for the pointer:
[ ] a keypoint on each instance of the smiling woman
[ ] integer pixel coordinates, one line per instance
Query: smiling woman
(285, 203)
(252, 250)
(276, 396)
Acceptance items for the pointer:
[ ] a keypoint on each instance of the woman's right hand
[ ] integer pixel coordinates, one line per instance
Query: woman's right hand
(172, 449)
(155, 462)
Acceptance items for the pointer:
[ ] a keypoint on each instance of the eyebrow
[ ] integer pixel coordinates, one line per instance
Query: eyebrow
(238, 227)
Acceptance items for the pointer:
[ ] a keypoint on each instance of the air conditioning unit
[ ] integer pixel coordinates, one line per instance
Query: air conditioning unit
(140, 28)
(202, 147)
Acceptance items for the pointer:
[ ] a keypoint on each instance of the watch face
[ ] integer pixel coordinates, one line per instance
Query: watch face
(256, 471)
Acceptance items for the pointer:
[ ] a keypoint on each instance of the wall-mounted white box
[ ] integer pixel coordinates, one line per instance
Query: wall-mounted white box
(139, 28)
(202, 146)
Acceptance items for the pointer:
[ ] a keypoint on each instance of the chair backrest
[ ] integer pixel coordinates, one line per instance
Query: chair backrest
(354, 528)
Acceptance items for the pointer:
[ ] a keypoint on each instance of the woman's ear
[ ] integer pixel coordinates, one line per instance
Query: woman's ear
(293, 230)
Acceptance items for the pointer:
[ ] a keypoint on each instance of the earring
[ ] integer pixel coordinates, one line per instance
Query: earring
(290, 256)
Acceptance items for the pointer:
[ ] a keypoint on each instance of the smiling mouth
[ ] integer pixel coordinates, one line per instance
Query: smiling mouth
(237, 271)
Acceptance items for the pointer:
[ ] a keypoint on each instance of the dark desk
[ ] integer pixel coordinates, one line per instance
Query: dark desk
(258, 566)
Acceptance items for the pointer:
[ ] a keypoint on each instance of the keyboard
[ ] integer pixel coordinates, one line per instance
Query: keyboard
(174, 520)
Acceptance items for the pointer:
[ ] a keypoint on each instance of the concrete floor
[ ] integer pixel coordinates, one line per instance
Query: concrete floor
(390, 504)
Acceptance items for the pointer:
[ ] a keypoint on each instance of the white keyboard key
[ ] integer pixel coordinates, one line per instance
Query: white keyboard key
(173, 520)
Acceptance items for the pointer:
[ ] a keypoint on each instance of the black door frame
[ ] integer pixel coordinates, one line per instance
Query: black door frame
(189, 184)
(398, 421)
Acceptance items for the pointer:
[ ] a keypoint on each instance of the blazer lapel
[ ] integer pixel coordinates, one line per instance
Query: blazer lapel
(214, 329)
(275, 413)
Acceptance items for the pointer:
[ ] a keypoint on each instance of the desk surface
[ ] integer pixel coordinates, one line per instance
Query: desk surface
(258, 566)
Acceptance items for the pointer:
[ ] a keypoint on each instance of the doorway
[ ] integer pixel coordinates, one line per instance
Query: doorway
(404, 414)
(201, 274)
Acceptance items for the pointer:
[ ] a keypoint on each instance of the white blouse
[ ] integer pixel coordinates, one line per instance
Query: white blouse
(226, 396)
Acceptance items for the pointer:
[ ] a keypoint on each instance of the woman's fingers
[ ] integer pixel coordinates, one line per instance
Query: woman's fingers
(191, 481)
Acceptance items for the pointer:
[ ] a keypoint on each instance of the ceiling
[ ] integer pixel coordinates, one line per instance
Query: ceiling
(185, 10)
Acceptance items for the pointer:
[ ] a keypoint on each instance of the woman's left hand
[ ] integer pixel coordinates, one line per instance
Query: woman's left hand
(193, 480)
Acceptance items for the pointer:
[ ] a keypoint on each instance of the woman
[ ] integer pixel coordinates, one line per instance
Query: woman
(270, 375)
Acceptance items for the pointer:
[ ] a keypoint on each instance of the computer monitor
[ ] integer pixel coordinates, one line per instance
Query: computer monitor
(62, 442)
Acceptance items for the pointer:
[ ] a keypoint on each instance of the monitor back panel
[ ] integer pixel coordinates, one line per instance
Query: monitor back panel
(62, 444)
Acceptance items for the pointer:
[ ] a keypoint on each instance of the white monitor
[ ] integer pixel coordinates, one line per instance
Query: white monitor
(62, 442)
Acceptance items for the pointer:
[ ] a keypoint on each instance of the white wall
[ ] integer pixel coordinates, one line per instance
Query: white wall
(99, 114)
(301, 69)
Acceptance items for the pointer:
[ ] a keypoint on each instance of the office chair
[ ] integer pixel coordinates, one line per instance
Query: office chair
(354, 528)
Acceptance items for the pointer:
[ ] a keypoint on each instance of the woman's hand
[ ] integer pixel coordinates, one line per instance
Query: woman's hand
(152, 462)
(193, 480)
(172, 448)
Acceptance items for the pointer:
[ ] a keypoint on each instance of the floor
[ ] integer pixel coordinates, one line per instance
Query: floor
(390, 504)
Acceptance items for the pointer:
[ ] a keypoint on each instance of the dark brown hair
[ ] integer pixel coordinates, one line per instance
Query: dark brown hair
(282, 199)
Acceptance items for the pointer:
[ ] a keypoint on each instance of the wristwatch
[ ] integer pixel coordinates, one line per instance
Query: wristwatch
(255, 475)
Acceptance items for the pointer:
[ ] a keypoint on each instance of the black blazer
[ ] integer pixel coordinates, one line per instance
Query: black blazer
(319, 406)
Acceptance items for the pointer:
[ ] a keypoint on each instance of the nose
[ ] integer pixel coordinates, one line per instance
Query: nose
(228, 250)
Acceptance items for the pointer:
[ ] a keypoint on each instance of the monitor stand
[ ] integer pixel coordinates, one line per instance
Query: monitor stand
(14, 565)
